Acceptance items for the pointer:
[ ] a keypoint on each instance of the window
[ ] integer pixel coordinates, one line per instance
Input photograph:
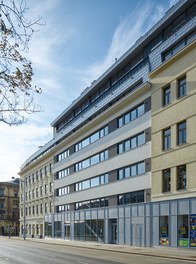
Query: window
(183, 232)
(62, 173)
(164, 230)
(131, 143)
(63, 155)
(63, 191)
(2, 192)
(91, 161)
(133, 170)
(132, 197)
(166, 95)
(181, 177)
(89, 140)
(130, 116)
(182, 87)
(166, 180)
(93, 182)
(166, 139)
(181, 136)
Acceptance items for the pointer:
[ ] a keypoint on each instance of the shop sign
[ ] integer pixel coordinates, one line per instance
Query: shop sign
(182, 242)
(193, 230)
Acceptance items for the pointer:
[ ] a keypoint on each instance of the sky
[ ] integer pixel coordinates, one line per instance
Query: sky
(80, 40)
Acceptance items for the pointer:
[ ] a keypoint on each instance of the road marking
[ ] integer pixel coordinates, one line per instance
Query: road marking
(82, 262)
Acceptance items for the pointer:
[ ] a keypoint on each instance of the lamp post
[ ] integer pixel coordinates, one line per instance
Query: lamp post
(24, 210)
(24, 207)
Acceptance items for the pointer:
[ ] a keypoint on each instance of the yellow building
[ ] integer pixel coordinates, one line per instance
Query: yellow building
(36, 194)
(174, 126)
(9, 208)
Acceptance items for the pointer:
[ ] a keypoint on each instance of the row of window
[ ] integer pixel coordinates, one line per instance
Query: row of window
(132, 115)
(63, 191)
(181, 91)
(127, 198)
(63, 155)
(179, 46)
(131, 143)
(35, 193)
(96, 203)
(91, 161)
(133, 170)
(38, 175)
(181, 178)
(89, 140)
(126, 118)
(181, 135)
(63, 208)
(124, 146)
(123, 72)
(38, 209)
(93, 182)
(132, 197)
(63, 173)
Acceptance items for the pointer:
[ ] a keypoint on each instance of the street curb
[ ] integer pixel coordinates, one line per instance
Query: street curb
(113, 250)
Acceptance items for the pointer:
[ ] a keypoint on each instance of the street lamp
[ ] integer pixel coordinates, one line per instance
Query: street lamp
(24, 209)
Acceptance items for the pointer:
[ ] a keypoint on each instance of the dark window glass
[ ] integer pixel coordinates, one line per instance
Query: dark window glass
(181, 177)
(182, 133)
(182, 87)
(166, 139)
(166, 180)
(166, 96)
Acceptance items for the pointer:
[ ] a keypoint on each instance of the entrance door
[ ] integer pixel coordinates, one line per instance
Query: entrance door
(114, 232)
(137, 235)
(67, 231)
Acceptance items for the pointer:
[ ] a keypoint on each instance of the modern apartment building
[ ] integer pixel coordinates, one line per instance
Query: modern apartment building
(9, 208)
(107, 145)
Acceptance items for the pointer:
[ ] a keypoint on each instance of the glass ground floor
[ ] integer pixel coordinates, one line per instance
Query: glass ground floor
(166, 223)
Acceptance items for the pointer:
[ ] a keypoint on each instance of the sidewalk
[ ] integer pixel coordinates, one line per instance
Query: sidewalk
(188, 254)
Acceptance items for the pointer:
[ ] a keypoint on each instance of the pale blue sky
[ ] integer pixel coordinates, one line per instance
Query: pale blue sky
(80, 40)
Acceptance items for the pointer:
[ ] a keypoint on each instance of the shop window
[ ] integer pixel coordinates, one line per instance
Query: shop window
(164, 230)
(183, 240)
(193, 230)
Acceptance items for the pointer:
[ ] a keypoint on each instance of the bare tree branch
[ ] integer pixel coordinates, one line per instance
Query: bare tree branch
(16, 89)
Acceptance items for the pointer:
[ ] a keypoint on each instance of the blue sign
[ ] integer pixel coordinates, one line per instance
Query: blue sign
(193, 230)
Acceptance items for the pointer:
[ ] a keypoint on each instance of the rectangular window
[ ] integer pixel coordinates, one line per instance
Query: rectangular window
(166, 180)
(166, 95)
(181, 130)
(164, 230)
(183, 232)
(166, 139)
(182, 87)
(130, 116)
(181, 177)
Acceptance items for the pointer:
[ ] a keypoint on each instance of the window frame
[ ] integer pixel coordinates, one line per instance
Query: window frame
(182, 133)
(166, 180)
(166, 96)
(181, 88)
(181, 178)
(166, 139)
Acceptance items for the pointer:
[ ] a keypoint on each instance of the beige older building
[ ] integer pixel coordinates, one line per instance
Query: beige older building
(9, 208)
(174, 126)
(36, 195)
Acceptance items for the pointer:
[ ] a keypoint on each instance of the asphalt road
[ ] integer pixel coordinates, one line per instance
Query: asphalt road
(28, 252)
